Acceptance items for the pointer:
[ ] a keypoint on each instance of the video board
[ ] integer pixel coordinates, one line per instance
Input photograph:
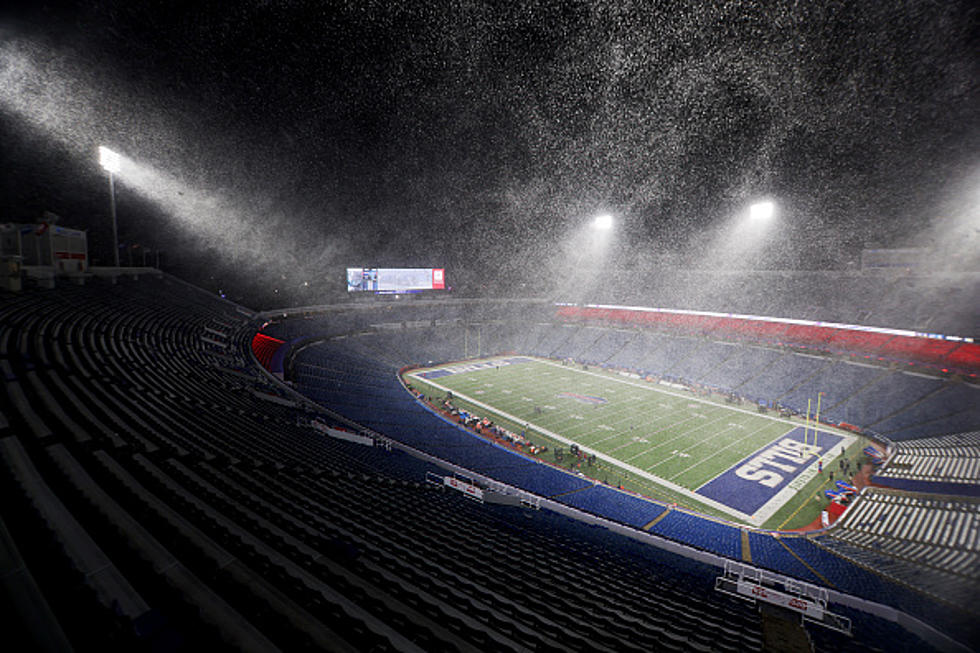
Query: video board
(395, 280)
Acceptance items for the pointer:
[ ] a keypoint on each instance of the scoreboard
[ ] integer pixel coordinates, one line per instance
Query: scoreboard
(395, 280)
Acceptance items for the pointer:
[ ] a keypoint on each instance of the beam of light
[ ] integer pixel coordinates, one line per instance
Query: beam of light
(57, 97)
(580, 264)
(251, 233)
(236, 227)
(952, 232)
(73, 107)
(743, 241)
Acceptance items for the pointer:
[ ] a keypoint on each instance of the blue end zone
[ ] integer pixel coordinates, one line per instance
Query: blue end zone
(459, 368)
(435, 374)
(750, 484)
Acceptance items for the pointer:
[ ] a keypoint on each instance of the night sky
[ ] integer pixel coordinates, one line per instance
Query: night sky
(304, 137)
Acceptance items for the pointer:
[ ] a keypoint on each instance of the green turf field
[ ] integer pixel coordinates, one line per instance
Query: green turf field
(662, 442)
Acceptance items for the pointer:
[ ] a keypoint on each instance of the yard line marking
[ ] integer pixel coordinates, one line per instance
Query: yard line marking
(685, 434)
(718, 451)
(717, 505)
(673, 404)
(667, 392)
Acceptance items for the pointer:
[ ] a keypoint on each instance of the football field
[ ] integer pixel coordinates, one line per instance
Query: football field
(662, 440)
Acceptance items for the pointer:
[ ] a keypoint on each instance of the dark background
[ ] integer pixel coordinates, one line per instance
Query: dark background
(299, 138)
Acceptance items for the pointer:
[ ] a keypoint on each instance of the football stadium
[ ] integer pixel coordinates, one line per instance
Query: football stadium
(364, 395)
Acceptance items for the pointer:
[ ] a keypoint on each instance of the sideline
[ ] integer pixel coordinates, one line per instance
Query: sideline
(609, 459)
(757, 519)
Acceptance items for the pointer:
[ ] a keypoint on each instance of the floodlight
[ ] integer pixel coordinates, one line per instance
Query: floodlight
(109, 159)
(603, 222)
(762, 210)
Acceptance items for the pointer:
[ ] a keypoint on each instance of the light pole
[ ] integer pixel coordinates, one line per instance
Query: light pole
(110, 161)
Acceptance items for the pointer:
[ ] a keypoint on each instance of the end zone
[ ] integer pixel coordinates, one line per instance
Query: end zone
(761, 483)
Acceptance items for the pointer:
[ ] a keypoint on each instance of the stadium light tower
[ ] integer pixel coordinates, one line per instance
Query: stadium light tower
(603, 222)
(761, 211)
(110, 161)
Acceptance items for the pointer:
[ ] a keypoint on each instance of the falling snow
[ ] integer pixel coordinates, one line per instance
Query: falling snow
(289, 140)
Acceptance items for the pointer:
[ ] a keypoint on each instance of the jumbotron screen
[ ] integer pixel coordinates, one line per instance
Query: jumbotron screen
(395, 280)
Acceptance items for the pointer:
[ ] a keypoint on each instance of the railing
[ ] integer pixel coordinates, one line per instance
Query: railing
(809, 601)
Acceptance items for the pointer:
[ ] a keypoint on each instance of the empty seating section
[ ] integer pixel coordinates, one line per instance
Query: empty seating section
(489, 337)
(659, 360)
(962, 444)
(934, 303)
(827, 565)
(195, 513)
(940, 532)
(771, 553)
(629, 353)
(27, 613)
(907, 348)
(676, 352)
(948, 467)
(846, 341)
(708, 356)
(109, 584)
(740, 368)
(965, 357)
(138, 461)
(265, 347)
(528, 339)
(716, 537)
(552, 341)
(415, 346)
(884, 399)
(332, 375)
(783, 374)
(962, 421)
(580, 340)
(948, 461)
(837, 381)
(926, 541)
(611, 503)
(956, 404)
(840, 573)
(608, 345)
(936, 351)
(807, 335)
